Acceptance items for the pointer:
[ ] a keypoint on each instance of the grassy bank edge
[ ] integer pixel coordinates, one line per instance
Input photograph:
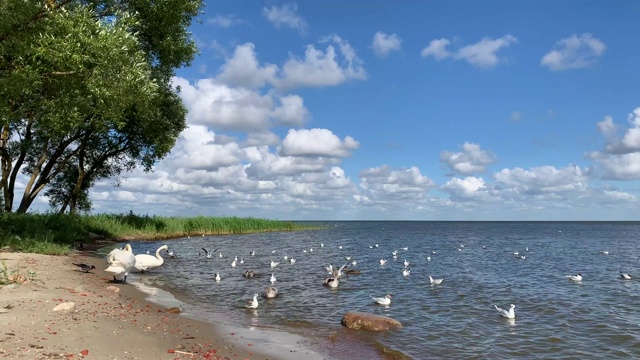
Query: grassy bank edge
(53, 234)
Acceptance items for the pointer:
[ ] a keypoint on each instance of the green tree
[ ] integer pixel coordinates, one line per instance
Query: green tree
(85, 91)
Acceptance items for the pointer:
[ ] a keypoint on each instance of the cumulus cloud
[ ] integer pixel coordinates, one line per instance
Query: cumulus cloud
(468, 188)
(219, 106)
(543, 180)
(574, 52)
(321, 68)
(471, 160)
(243, 69)
(619, 159)
(286, 16)
(317, 142)
(437, 48)
(384, 44)
(482, 54)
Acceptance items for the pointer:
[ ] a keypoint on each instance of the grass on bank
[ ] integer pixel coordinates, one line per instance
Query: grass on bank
(54, 234)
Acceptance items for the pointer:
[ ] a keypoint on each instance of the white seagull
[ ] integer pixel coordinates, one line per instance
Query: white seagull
(435, 281)
(217, 277)
(273, 278)
(209, 253)
(511, 314)
(406, 263)
(406, 272)
(292, 260)
(383, 261)
(274, 263)
(253, 303)
(386, 300)
(625, 276)
(575, 277)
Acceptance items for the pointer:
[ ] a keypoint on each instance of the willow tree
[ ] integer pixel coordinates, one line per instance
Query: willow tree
(85, 90)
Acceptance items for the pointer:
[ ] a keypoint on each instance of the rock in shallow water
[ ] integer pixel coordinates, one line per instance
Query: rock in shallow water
(363, 321)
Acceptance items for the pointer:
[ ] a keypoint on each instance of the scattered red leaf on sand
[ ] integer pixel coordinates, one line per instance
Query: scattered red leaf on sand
(84, 352)
(249, 344)
(171, 351)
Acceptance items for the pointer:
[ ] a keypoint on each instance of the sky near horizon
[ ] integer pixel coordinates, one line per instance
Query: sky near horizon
(403, 110)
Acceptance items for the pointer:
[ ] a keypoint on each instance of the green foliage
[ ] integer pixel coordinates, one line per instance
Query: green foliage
(85, 91)
(55, 234)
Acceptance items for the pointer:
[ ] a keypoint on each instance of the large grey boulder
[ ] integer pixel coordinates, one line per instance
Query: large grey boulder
(363, 321)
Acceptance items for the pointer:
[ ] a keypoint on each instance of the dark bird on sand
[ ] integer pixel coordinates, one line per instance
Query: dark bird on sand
(84, 267)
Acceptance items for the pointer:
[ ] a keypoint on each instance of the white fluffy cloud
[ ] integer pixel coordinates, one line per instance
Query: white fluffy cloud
(574, 52)
(317, 142)
(543, 179)
(471, 160)
(621, 156)
(384, 44)
(321, 68)
(482, 54)
(243, 69)
(286, 15)
(219, 106)
(437, 48)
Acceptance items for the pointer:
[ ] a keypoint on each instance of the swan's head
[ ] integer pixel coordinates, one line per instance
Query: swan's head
(388, 296)
(513, 306)
(164, 247)
(127, 248)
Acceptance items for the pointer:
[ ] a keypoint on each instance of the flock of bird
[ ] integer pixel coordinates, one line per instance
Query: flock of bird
(122, 260)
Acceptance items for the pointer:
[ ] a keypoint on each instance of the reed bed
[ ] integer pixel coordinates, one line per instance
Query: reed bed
(55, 234)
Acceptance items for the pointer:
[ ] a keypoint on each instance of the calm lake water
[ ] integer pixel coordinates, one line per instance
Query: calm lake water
(598, 317)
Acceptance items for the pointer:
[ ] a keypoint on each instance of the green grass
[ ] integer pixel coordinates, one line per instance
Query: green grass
(55, 234)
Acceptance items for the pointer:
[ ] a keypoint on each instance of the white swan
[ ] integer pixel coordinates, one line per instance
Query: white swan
(386, 300)
(435, 281)
(575, 277)
(252, 304)
(121, 261)
(511, 314)
(145, 262)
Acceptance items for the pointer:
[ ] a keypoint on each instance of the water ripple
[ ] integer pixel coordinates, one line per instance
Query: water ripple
(556, 317)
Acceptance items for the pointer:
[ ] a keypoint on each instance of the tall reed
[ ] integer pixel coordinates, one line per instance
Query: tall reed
(54, 234)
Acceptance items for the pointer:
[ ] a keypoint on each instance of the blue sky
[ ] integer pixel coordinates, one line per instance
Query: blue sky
(414, 110)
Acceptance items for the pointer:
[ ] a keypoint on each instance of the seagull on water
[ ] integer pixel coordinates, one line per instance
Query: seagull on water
(209, 253)
(383, 261)
(252, 253)
(386, 300)
(511, 314)
(84, 267)
(575, 277)
(435, 281)
(217, 278)
(405, 248)
(292, 260)
(625, 276)
(274, 263)
(270, 292)
(273, 279)
(428, 257)
(406, 272)
(406, 263)
(253, 303)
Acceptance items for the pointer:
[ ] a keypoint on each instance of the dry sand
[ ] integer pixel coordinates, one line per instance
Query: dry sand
(106, 321)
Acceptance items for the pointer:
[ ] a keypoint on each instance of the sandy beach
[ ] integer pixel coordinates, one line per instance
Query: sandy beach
(60, 312)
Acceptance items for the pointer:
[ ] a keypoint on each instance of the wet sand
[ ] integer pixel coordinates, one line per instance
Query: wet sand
(106, 321)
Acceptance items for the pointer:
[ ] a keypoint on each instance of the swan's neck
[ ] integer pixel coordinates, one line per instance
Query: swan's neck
(158, 256)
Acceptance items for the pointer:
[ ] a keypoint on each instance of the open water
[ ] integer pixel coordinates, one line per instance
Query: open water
(598, 317)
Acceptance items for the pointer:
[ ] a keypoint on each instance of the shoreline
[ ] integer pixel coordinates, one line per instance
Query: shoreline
(106, 320)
